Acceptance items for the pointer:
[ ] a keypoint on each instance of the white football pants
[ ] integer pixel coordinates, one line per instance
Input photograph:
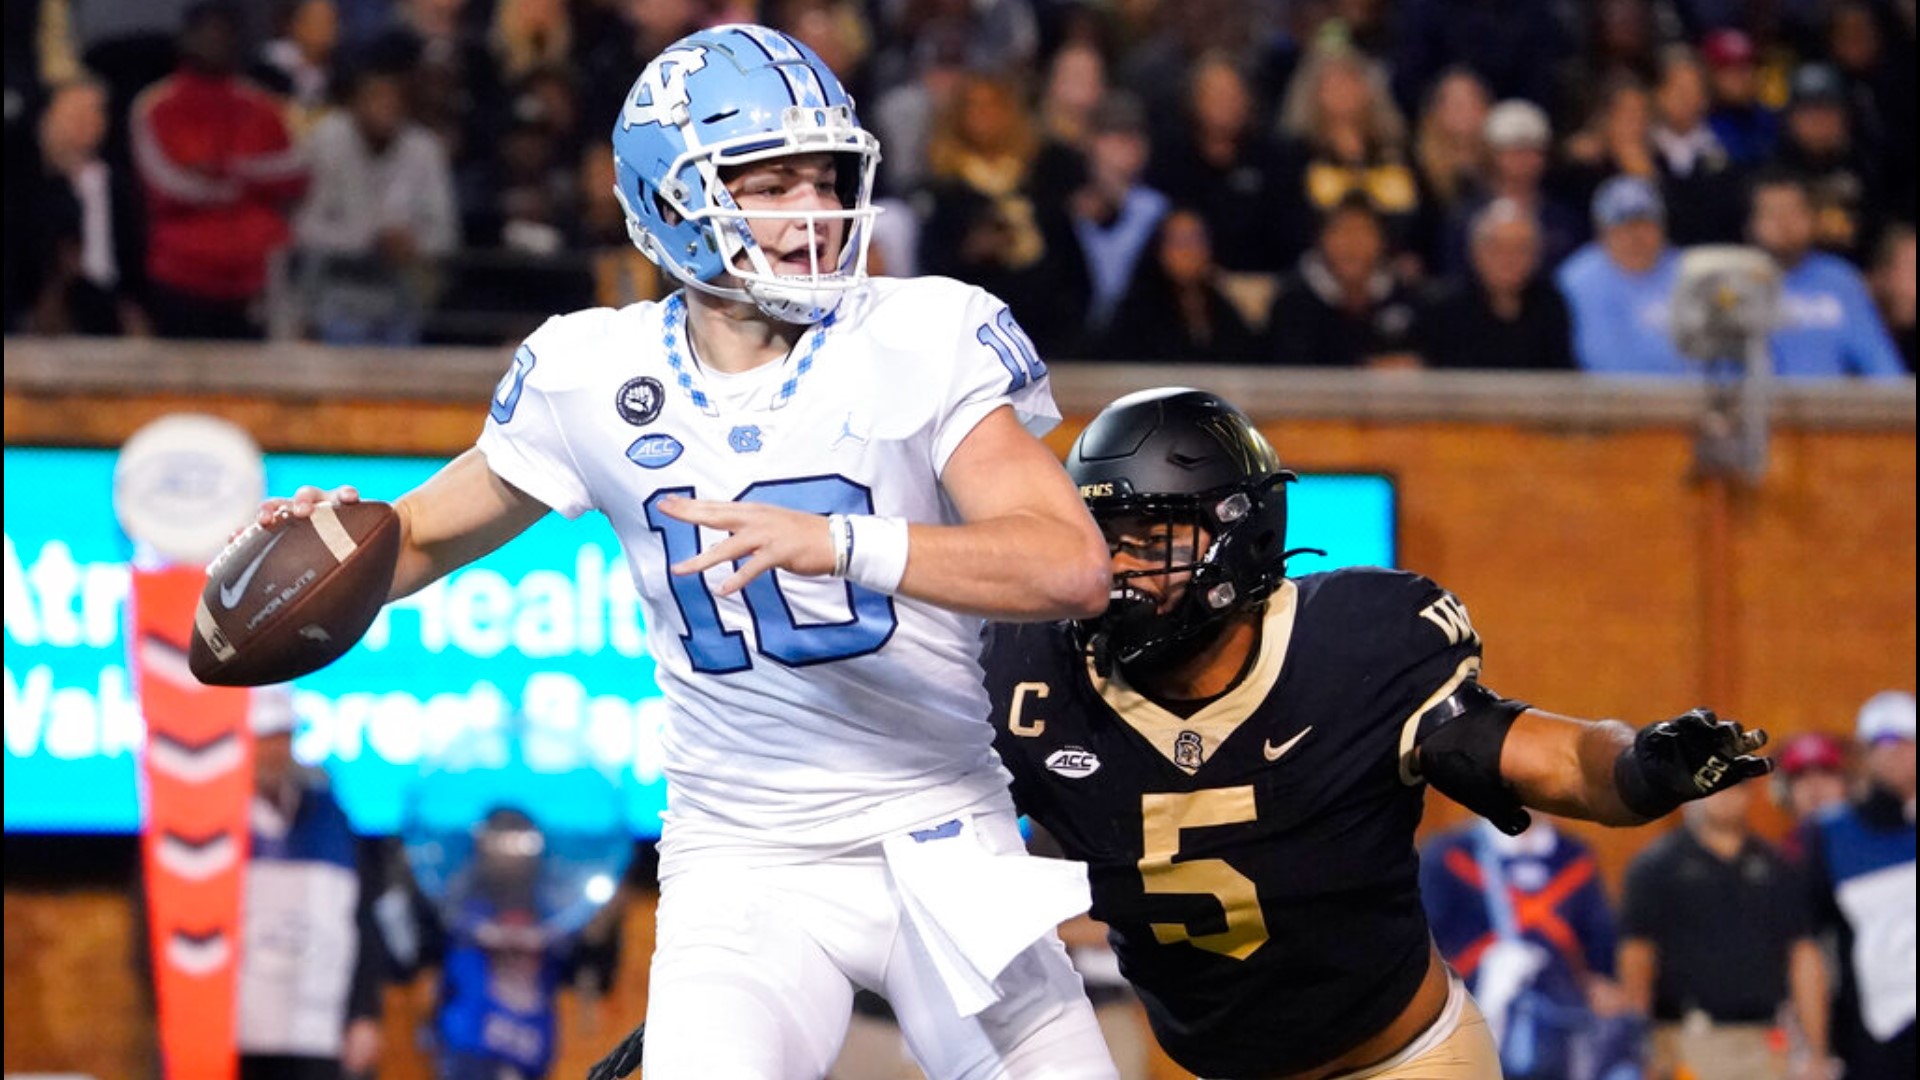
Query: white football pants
(754, 970)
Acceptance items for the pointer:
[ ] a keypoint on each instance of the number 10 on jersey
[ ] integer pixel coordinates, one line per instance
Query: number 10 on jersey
(711, 647)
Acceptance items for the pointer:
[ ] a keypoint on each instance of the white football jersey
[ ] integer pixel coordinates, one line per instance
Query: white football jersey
(803, 711)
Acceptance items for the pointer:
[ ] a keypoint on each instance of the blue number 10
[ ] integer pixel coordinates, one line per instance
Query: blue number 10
(1015, 350)
(715, 650)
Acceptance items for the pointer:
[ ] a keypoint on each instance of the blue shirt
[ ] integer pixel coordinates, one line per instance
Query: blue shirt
(1621, 321)
(1113, 250)
(1829, 326)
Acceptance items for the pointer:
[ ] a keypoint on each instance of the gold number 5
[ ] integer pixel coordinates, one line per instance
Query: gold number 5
(1163, 816)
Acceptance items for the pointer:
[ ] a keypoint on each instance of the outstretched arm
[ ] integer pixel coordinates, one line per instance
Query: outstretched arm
(460, 514)
(1499, 757)
(1607, 772)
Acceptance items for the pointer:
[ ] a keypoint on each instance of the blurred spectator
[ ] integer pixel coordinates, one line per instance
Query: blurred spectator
(1811, 779)
(836, 29)
(1893, 287)
(298, 63)
(311, 966)
(1513, 45)
(1860, 858)
(1855, 41)
(504, 963)
(621, 275)
(1176, 310)
(904, 117)
(1451, 149)
(1702, 187)
(1718, 937)
(533, 187)
(999, 35)
(220, 172)
(614, 55)
(457, 92)
(1618, 287)
(1616, 141)
(1873, 50)
(529, 36)
(1519, 141)
(1828, 325)
(1076, 83)
(1819, 145)
(79, 235)
(1882, 59)
(1114, 214)
(1344, 307)
(985, 227)
(1225, 165)
(1167, 43)
(1348, 138)
(1619, 40)
(1525, 921)
(1506, 314)
(1746, 128)
(379, 215)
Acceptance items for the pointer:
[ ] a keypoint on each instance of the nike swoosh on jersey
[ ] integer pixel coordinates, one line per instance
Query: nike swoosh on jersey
(231, 592)
(1274, 753)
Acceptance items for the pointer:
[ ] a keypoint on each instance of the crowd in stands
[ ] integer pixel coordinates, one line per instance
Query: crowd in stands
(1443, 183)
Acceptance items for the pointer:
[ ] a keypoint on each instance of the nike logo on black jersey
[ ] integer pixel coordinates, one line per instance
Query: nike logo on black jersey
(1275, 753)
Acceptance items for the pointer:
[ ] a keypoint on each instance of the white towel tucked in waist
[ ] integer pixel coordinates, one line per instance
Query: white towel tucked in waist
(976, 909)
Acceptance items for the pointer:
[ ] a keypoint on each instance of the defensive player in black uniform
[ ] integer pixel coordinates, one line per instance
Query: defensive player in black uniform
(1238, 756)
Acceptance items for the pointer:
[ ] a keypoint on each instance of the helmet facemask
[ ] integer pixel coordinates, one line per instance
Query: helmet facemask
(1213, 539)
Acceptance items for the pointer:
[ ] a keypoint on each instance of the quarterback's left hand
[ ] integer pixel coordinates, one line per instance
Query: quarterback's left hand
(1689, 757)
(767, 537)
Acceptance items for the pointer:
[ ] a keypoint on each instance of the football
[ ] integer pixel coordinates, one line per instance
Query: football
(283, 601)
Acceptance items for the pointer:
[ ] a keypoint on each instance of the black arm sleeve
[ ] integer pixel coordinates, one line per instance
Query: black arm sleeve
(1458, 742)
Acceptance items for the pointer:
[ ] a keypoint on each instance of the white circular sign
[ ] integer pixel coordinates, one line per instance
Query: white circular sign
(187, 482)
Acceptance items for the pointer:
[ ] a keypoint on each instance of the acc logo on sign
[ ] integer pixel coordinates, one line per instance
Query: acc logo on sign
(639, 400)
(1073, 762)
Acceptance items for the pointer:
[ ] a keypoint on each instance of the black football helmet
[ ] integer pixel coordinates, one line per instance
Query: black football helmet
(1192, 459)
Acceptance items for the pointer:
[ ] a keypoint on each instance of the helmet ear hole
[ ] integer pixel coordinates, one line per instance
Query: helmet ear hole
(665, 209)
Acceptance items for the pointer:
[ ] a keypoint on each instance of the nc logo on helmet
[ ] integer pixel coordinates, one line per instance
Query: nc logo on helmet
(662, 88)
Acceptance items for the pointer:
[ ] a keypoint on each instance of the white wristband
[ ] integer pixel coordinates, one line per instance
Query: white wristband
(875, 551)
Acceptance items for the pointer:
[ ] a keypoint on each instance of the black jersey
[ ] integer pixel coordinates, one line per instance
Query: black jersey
(1255, 860)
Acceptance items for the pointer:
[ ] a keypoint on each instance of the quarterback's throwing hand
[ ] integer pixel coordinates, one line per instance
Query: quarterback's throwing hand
(1689, 757)
(767, 537)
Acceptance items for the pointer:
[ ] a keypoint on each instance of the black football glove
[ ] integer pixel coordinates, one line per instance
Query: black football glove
(623, 1060)
(1689, 757)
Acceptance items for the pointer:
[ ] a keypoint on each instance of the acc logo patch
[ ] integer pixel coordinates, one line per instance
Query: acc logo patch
(655, 451)
(1073, 762)
(639, 400)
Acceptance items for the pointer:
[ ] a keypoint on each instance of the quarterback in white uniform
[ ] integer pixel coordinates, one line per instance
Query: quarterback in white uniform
(823, 483)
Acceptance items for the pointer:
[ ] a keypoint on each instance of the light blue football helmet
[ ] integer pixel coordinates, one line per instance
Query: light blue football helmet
(732, 95)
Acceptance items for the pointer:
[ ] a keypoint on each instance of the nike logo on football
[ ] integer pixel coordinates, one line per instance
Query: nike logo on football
(1275, 753)
(232, 591)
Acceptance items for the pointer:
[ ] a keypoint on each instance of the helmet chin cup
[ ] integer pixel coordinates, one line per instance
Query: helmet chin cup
(799, 302)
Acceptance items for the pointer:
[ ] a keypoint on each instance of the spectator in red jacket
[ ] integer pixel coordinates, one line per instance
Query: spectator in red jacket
(221, 174)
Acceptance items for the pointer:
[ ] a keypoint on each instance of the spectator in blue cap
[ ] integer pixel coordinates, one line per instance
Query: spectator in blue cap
(1619, 286)
(1828, 325)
